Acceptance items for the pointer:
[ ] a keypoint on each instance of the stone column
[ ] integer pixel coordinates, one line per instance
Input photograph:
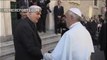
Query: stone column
(5, 21)
(50, 17)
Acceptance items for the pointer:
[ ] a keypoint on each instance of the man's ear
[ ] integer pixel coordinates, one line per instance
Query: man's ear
(28, 13)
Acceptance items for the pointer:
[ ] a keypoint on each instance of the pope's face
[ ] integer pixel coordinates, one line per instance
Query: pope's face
(68, 18)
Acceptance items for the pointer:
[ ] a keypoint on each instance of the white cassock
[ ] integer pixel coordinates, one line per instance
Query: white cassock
(75, 44)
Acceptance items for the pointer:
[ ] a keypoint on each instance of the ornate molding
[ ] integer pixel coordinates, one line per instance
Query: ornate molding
(74, 2)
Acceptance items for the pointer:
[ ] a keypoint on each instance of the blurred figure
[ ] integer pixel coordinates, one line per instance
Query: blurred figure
(42, 22)
(103, 40)
(73, 45)
(58, 12)
(101, 20)
(83, 20)
(26, 39)
(48, 9)
(19, 4)
(92, 28)
(23, 16)
(23, 13)
(25, 3)
(63, 25)
(33, 2)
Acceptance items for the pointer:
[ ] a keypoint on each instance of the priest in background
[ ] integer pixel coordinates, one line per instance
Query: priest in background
(76, 43)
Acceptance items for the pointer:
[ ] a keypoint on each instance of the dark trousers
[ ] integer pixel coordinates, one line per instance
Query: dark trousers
(41, 25)
(57, 25)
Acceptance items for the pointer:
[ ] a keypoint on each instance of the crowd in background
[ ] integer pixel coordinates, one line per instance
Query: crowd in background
(93, 25)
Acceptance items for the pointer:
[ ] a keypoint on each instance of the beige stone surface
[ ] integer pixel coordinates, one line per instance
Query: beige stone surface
(5, 19)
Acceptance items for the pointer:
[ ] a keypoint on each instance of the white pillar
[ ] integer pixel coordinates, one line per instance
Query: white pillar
(5, 21)
(90, 12)
(2, 28)
(50, 19)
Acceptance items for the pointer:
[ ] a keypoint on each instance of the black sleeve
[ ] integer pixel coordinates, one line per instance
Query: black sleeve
(55, 10)
(47, 1)
(62, 10)
(101, 34)
(28, 41)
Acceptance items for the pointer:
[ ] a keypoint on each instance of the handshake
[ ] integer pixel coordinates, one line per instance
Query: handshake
(47, 56)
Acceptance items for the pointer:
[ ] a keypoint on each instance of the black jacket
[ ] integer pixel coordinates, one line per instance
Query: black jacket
(27, 41)
(58, 11)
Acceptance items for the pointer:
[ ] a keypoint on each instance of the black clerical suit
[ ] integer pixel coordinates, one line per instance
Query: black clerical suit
(27, 41)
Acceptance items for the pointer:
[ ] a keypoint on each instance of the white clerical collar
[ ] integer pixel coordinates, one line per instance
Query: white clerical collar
(74, 25)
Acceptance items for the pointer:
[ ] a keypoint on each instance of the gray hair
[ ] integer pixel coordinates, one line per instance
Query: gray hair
(78, 18)
(34, 8)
